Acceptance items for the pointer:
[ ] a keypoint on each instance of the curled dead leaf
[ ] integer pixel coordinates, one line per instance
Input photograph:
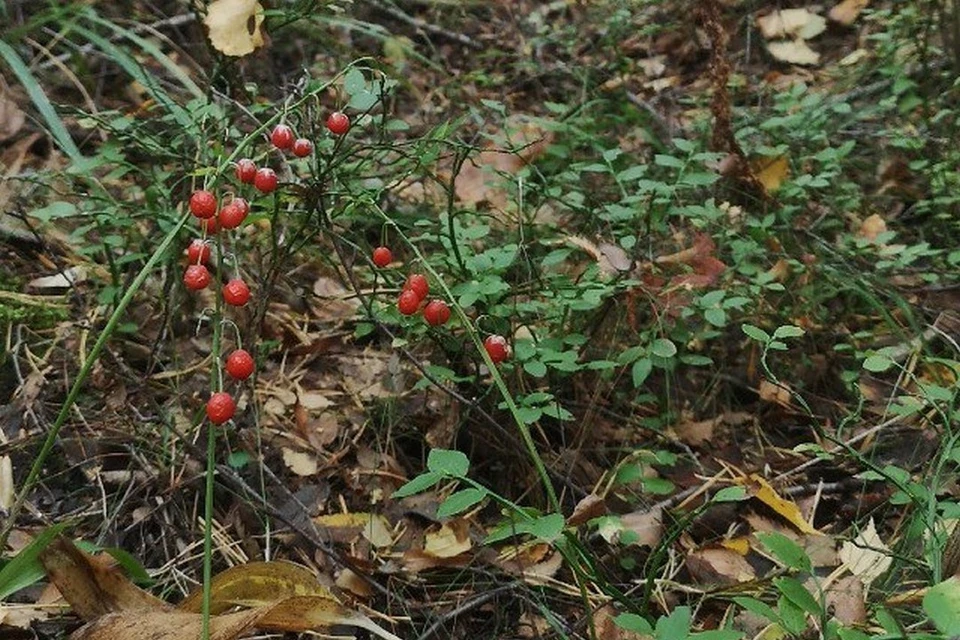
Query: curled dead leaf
(256, 583)
(234, 26)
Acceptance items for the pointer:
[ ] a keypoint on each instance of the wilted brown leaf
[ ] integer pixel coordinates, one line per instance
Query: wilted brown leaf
(451, 539)
(793, 52)
(845, 598)
(234, 26)
(794, 23)
(847, 11)
(344, 526)
(719, 565)
(590, 507)
(301, 463)
(165, 625)
(872, 227)
(92, 587)
(771, 172)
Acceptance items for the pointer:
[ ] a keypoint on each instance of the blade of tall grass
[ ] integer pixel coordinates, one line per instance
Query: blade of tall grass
(135, 70)
(153, 50)
(54, 124)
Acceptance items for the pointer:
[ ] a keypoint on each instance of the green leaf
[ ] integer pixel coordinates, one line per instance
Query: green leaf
(546, 528)
(363, 101)
(663, 348)
(942, 604)
(716, 317)
(448, 462)
(54, 211)
(535, 368)
(717, 634)
(633, 622)
(676, 626)
(418, 484)
(755, 333)
(877, 363)
(354, 82)
(730, 494)
(460, 501)
(757, 607)
(641, 371)
(794, 591)
(24, 568)
(788, 331)
(786, 551)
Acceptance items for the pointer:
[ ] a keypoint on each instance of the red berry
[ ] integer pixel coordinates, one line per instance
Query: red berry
(196, 277)
(242, 203)
(382, 256)
(210, 225)
(220, 407)
(266, 180)
(282, 137)
(417, 282)
(236, 292)
(408, 302)
(246, 170)
(231, 216)
(203, 204)
(436, 312)
(198, 252)
(497, 348)
(338, 123)
(240, 364)
(302, 147)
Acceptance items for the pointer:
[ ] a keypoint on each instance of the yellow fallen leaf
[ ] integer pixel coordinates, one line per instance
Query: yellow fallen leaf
(256, 583)
(374, 527)
(872, 227)
(760, 489)
(234, 26)
(771, 172)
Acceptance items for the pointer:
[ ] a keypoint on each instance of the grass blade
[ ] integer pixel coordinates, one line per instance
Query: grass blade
(54, 124)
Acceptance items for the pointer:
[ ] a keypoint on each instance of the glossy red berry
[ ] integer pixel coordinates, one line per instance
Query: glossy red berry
(417, 282)
(497, 348)
(210, 226)
(198, 252)
(203, 204)
(196, 277)
(382, 256)
(408, 302)
(239, 364)
(436, 313)
(282, 136)
(302, 147)
(236, 292)
(242, 203)
(266, 180)
(220, 407)
(231, 216)
(338, 123)
(246, 170)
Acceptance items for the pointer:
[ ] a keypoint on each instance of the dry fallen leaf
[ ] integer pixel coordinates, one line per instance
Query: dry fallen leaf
(234, 26)
(590, 507)
(719, 566)
(872, 227)
(255, 583)
(847, 11)
(796, 23)
(643, 528)
(6, 483)
(760, 489)
(771, 171)
(302, 464)
(793, 52)
(775, 393)
(867, 556)
(374, 527)
(451, 539)
(845, 598)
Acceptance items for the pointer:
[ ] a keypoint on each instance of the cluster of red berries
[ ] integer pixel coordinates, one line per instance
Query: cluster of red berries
(436, 312)
(204, 205)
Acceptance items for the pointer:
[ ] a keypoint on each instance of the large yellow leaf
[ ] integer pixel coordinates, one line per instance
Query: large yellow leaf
(760, 489)
(234, 26)
(254, 584)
